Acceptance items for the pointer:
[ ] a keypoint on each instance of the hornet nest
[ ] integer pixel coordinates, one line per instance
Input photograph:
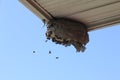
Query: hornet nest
(68, 32)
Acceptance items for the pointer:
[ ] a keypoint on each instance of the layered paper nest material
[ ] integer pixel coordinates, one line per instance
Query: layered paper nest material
(68, 32)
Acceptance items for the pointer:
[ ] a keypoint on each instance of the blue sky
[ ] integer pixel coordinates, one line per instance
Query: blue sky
(20, 35)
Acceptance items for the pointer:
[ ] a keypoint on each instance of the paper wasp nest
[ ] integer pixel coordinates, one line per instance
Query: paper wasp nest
(68, 32)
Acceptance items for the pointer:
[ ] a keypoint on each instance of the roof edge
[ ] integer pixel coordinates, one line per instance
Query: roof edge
(37, 9)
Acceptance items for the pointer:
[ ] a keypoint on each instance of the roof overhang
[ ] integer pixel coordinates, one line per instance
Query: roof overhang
(94, 13)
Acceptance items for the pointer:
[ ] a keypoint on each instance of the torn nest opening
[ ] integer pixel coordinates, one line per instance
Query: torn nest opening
(68, 32)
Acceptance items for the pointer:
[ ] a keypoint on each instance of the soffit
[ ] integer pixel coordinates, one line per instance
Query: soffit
(94, 13)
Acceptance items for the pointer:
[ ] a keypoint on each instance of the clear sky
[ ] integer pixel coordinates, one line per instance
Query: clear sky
(20, 35)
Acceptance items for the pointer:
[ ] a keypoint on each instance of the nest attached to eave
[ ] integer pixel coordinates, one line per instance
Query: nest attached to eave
(68, 32)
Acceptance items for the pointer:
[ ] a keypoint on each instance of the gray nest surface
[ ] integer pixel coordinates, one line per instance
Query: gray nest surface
(68, 32)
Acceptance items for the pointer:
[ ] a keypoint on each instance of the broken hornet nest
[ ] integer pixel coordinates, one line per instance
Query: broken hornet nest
(68, 32)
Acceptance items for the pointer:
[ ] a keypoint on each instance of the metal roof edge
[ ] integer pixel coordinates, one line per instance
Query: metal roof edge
(36, 9)
(101, 25)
